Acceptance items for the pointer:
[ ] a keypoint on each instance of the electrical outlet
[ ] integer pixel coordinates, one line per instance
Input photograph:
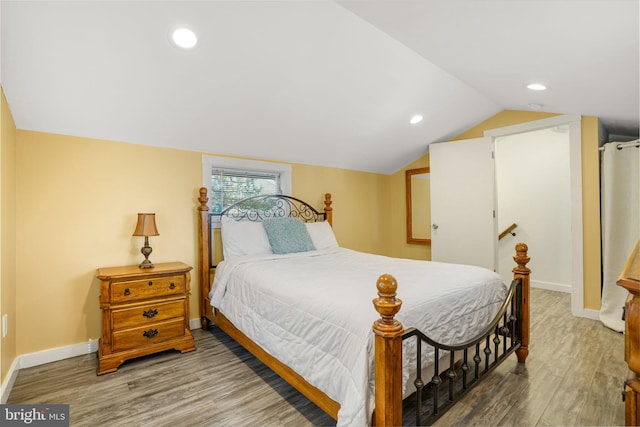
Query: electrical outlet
(5, 325)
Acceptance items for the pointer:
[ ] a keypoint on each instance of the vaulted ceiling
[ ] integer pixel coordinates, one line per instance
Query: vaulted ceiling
(320, 82)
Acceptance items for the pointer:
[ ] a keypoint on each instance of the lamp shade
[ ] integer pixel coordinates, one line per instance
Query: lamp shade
(146, 225)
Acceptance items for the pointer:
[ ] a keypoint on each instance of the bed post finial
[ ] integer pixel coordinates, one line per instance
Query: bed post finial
(328, 210)
(521, 271)
(203, 199)
(521, 258)
(388, 352)
(387, 305)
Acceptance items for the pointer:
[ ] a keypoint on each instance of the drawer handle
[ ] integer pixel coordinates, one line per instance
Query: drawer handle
(127, 292)
(150, 313)
(150, 283)
(150, 333)
(172, 285)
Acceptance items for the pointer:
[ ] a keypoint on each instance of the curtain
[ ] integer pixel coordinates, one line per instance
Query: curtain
(620, 213)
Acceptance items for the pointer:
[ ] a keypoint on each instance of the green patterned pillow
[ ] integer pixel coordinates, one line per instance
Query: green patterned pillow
(287, 235)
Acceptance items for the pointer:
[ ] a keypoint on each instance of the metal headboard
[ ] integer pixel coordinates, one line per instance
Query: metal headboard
(259, 208)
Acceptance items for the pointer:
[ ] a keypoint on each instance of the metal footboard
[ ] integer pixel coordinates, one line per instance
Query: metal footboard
(469, 362)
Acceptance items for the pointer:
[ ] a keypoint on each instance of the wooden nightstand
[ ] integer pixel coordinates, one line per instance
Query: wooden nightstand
(144, 311)
(630, 280)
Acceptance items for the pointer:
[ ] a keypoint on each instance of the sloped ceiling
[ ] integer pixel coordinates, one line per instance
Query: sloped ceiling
(315, 82)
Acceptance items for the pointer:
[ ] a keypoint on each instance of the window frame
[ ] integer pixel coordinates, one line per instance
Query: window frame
(210, 162)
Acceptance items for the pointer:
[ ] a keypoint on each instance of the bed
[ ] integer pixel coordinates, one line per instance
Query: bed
(303, 306)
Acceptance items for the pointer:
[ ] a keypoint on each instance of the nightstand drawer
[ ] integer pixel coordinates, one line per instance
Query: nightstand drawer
(147, 314)
(148, 335)
(145, 289)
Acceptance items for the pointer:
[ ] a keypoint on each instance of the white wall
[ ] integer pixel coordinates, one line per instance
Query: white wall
(534, 191)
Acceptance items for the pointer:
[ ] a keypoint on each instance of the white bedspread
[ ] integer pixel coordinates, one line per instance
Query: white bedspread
(313, 311)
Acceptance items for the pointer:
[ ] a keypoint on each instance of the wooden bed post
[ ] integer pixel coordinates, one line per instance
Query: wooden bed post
(522, 272)
(203, 251)
(388, 354)
(328, 210)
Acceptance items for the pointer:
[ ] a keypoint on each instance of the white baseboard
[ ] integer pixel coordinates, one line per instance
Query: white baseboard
(59, 353)
(558, 287)
(195, 324)
(53, 355)
(12, 374)
(589, 313)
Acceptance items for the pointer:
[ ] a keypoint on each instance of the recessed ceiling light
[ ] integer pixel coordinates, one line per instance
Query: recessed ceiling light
(536, 86)
(184, 38)
(417, 118)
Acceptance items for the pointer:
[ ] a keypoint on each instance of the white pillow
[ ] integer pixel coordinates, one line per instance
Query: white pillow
(322, 235)
(243, 238)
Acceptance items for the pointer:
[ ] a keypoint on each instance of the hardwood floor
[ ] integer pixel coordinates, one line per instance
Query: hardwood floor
(574, 376)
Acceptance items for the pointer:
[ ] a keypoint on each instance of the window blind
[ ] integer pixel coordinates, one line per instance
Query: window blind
(229, 186)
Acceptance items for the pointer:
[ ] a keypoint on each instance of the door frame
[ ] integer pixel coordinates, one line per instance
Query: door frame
(575, 162)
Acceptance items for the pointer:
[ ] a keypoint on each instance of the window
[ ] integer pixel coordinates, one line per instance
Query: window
(229, 186)
(229, 180)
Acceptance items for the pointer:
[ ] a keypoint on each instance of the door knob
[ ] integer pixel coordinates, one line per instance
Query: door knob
(434, 226)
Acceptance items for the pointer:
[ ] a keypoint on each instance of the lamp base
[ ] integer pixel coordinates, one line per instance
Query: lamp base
(146, 251)
(146, 264)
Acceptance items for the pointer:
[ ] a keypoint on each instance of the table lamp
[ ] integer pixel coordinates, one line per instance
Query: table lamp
(146, 227)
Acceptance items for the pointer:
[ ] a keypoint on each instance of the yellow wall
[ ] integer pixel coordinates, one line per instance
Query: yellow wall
(360, 204)
(77, 205)
(78, 200)
(8, 236)
(502, 119)
(590, 192)
(591, 213)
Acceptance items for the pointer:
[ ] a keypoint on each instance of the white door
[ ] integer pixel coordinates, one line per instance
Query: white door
(463, 228)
